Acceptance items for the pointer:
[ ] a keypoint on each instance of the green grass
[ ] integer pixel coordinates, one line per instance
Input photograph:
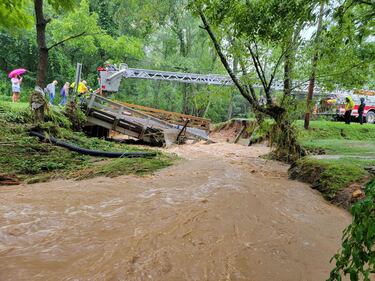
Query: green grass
(342, 147)
(331, 176)
(33, 161)
(336, 130)
(349, 149)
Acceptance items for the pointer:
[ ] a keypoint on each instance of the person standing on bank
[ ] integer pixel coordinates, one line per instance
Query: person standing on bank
(82, 90)
(361, 109)
(16, 88)
(349, 105)
(64, 94)
(51, 90)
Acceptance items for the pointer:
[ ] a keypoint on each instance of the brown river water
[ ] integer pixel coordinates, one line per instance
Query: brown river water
(220, 213)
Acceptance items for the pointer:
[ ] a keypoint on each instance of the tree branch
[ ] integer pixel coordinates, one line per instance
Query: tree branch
(366, 2)
(260, 75)
(223, 59)
(67, 39)
(328, 75)
(248, 85)
(275, 69)
(262, 71)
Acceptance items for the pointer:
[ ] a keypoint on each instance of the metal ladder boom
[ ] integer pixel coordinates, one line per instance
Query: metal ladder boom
(111, 79)
(178, 76)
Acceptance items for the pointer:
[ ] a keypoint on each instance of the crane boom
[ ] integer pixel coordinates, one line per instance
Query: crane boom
(178, 76)
(110, 79)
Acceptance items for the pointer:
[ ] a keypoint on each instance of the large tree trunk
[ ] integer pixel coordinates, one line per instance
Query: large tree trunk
(283, 137)
(41, 24)
(313, 68)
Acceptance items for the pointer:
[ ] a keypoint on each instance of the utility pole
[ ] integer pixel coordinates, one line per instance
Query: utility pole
(77, 79)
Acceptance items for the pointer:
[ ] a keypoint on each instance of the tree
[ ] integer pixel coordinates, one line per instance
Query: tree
(347, 51)
(260, 29)
(41, 24)
(357, 257)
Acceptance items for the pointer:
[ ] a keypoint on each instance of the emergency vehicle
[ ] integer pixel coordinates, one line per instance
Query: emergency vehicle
(334, 105)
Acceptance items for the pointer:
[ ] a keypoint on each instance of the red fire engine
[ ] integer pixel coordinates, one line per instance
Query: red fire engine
(334, 105)
(368, 113)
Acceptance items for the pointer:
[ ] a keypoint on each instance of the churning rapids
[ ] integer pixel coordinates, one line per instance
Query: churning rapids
(220, 213)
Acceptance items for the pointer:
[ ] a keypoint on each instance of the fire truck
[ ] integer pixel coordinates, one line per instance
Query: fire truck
(368, 113)
(334, 105)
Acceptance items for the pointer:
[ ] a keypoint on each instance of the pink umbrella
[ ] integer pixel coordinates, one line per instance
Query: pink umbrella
(18, 71)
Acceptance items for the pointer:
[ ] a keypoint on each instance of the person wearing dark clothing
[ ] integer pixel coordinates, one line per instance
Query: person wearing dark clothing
(361, 108)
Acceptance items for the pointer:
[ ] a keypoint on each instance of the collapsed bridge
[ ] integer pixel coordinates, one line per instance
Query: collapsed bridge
(151, 125)
(148, 127)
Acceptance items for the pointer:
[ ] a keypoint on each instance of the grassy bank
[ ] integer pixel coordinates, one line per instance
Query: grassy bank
(344, 151)
(33, 161)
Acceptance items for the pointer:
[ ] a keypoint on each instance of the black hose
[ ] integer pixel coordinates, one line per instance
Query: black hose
(93, 152)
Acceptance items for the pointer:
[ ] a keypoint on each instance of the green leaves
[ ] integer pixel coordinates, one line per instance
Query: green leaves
(64, 4)
(15, 14)
(357, 257)
(122, 47)
(75, 22)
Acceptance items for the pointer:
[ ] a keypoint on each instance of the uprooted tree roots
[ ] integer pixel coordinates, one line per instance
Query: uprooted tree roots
(283, 137)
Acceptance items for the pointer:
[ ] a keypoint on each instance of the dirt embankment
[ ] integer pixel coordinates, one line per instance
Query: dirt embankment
(229, 131)
(221, 213)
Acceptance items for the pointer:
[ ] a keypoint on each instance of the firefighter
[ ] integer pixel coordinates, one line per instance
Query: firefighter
(361, 108)
(82, 90)
(349, 105)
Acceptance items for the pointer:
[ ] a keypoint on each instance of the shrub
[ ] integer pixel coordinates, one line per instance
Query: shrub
(357, 257)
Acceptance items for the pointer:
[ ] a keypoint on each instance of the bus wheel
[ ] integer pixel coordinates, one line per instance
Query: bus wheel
(370, 117)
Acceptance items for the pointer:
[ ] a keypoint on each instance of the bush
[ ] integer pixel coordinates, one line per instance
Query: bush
(15, 112)
(357, 257)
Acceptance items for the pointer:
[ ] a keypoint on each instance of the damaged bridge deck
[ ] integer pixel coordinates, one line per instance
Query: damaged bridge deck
(137, 124)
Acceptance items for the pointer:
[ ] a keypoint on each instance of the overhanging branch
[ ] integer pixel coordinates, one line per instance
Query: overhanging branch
(260, 74)
(70, 38)
(327, 75)
(223, 59)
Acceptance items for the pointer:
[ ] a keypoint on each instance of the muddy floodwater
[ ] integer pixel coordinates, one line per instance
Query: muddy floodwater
(220, 213)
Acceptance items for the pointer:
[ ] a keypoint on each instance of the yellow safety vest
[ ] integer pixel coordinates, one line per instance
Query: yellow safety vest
(350, 104)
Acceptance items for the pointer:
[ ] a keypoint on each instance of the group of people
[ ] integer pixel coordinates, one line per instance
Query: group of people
(349, 106)
(50, 90)
(82, 90)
